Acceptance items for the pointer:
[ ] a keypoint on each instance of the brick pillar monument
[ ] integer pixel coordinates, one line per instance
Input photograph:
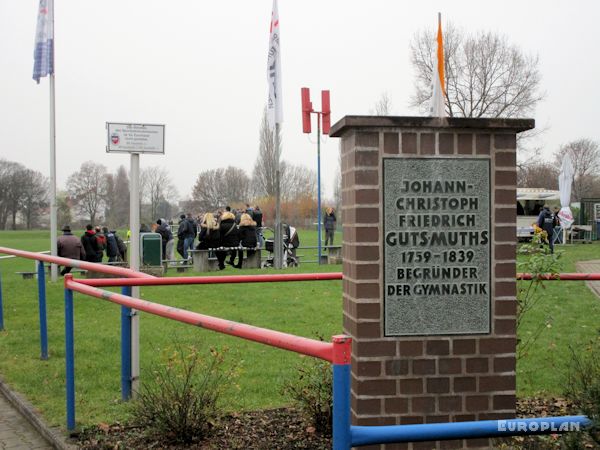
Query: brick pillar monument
(429, 243)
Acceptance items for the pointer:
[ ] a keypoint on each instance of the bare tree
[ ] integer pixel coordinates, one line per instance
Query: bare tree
(585, 156)
(64, 215)
(87, 189)
(121, 197)
(237, 185)
(265, 167)
(297, 182)
(216, 187)
(10, 191)
(34, 196)
(383, 107)
(206, 190)
(157, 187)
(486, 76)
(538, 175)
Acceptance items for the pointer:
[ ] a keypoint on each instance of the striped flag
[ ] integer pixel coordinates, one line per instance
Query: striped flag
(43, 54)
(274, 105)
(437, 108)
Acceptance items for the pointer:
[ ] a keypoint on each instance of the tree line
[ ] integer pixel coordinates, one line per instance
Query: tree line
(95, 195)
(486, 76)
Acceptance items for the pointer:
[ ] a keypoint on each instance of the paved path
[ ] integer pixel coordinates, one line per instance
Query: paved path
(16, 433)
(590, 267)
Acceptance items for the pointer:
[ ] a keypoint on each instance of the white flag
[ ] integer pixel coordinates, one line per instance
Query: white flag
(43, 53)
(437, 108)
(274, 105)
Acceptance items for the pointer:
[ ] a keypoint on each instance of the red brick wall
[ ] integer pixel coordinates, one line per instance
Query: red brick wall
(410, 380)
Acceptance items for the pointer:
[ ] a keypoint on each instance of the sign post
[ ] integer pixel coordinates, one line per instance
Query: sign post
(135, 139)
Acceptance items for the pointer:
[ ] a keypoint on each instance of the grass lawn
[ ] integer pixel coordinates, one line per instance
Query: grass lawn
(306, 309)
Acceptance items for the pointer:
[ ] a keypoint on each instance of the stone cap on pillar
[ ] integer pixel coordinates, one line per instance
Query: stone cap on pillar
(353, 122)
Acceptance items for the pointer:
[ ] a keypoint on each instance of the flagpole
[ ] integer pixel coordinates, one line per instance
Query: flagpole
(278, 238)
(53, 206)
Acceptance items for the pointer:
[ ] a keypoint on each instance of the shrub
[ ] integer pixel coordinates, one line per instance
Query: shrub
(536, 260)
(583, 385)
(181, 402)
(312, 393)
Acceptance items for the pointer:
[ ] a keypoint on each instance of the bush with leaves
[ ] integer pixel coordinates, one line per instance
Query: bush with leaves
(181, 402)
(312, 393)
(583, 386)
(537, 261)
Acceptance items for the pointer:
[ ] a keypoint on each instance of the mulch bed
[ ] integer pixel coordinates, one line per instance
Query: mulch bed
(281, 428)
(285, 429)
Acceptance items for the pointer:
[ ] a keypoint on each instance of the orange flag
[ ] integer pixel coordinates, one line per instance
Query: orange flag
(437, 108)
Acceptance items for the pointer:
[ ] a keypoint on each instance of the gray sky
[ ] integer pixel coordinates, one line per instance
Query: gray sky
(200, 68)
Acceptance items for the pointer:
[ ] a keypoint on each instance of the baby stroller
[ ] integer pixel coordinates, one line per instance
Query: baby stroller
(289, 245)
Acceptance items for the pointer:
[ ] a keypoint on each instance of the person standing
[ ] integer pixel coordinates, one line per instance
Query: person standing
(192, 232)
(69, 246)
(329, 223)
(90, 245)
(112, 249)
(257, 216)
(101, 238)
(547, 221)
(209, 236)
(166, 235)
(247, 231)
(229, 238)
(181, 232)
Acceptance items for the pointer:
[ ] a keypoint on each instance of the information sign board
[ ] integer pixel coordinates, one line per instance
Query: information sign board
(436, 246)
(135, 138)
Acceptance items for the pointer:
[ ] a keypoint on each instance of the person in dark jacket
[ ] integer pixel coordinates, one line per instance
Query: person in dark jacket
(121, 246)
(247, 231)
(101, 238)
(69, 246)
(185, 236)
(229, 238)
(209, 236)
(547, 221)
(90, 245)
(112, 248)
(329, 224)
(166, 235)
(257, 216)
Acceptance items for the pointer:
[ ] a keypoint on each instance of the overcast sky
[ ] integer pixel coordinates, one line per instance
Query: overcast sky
(199, 67)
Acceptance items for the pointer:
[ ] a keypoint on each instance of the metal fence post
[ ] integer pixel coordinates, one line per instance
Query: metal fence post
(126, 347)
(342, 347)
(42, 309)
(70, 358)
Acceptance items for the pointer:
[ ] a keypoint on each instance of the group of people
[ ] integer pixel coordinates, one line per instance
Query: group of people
(91, 246)
(230, 231)
(227, 228)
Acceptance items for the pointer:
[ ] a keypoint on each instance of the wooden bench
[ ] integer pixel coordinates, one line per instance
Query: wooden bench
(581, 233)
(27, 275)
(334, 254)
(202, 260)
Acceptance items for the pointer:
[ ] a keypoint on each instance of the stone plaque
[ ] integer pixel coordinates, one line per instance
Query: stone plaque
(436, 246)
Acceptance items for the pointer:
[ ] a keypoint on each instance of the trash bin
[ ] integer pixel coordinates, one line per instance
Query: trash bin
(150, 249)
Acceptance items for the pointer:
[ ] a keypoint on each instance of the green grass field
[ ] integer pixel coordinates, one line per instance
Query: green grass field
(307, 309)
